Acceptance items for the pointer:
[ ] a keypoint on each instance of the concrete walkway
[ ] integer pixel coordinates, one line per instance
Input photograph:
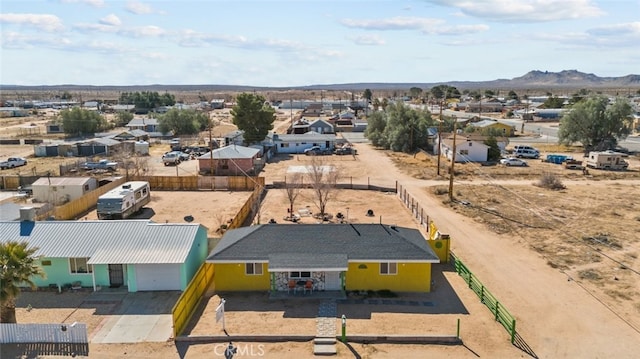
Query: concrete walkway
(325, 341)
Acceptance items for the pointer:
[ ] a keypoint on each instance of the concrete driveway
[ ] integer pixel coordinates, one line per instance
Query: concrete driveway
(137, 317)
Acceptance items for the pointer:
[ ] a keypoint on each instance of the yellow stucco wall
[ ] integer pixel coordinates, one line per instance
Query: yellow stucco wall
(232, 277)
(410, 277)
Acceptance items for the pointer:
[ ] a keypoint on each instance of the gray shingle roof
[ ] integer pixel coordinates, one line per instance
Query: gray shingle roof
(114, 242)
(359, 242)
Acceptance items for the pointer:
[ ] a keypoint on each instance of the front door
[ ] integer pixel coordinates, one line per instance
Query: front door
(116, 275)
(332, 281)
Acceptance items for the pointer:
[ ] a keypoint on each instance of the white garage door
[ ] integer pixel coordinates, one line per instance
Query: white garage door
(158, 276)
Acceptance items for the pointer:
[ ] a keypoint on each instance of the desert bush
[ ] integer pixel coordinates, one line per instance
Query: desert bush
(550, 181)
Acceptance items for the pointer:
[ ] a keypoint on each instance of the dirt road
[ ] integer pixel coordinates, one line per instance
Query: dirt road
(555, 316)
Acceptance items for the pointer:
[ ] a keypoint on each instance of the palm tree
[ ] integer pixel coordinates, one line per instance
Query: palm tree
(17, 267)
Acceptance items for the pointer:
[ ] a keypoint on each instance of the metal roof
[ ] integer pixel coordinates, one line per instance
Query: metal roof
(231, 152)
(371, 242)
(63, 181)
(309, 136)
(106, 242)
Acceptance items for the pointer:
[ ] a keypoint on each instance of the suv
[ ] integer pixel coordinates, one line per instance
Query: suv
(527, 153)
(171, 158)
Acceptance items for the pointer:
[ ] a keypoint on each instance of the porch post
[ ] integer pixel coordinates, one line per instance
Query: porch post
(93, 276)
(273, 282)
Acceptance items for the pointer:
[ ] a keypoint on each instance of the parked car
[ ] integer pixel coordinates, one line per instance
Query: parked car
(513, 162)
(316, 150)
(12, 162)
(345, 151)
(100, 165)
(184, 156)
(171, 158)
(526, 153)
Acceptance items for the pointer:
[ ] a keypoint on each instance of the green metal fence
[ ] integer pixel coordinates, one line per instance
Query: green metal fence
(500, 313)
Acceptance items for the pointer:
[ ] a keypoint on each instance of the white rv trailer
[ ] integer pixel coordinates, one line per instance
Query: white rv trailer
(123, 201)
(607, 160)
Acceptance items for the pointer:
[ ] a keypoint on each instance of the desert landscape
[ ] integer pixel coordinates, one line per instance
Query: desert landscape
(564, 262)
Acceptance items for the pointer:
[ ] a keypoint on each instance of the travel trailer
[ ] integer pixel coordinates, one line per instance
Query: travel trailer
(607, 160)
(123, 201)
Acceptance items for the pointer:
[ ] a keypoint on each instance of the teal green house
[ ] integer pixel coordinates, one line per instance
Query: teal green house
(137, 254)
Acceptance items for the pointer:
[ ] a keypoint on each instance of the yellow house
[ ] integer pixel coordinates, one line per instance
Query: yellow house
(333, 257)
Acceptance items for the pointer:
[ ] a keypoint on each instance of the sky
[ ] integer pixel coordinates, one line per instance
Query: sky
(311, 42)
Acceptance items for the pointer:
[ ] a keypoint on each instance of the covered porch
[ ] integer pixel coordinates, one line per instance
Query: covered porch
(301, 274)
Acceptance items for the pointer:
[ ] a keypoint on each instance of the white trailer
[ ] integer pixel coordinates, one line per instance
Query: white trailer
(607, 160)
(123, 201)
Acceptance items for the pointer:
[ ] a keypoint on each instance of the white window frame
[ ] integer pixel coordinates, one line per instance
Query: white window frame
(388, 268)
(253, 269)
(74, 265)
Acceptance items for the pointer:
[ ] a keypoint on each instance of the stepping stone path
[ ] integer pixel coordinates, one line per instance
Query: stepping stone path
(325, 341)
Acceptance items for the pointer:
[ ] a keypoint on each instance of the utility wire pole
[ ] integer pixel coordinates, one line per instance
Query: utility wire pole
(440, 137)
(453, 159)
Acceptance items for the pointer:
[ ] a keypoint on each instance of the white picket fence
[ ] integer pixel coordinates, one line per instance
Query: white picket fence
(43, 333)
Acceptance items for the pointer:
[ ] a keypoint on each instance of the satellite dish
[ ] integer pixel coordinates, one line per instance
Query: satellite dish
(188, 218)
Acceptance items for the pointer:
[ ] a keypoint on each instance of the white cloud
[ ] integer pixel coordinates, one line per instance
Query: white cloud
(111, 20)
(368, 40)
(457, 30)
(143, 31)
(525, 10)
(86, 27)
(94, 3)
(15, 40)
(624, 29)
(139, 8)
(395, 23)
(46, 22)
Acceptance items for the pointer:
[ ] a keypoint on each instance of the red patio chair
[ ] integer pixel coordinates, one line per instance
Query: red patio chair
(308, 286)
(292, 285)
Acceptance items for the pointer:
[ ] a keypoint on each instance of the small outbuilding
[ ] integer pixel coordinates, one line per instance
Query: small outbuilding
(58, 190)
(230, 160)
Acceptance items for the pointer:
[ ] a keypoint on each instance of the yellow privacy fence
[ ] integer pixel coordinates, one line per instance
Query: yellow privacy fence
(190, 298)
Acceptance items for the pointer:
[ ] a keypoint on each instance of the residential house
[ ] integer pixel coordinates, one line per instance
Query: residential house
(144, 124)
(313, 110)
(230, 160)
(137, 254)
(58, 190)
(485, 106)
(334, 256)
(466, 150)
(319, 126)
(294, 143)
(235, 137)
(132, 135)
(492, 126)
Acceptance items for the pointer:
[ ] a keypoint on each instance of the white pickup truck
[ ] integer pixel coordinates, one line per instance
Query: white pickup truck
(12, 162)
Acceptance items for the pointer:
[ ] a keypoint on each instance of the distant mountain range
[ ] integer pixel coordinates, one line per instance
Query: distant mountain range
(566, 79)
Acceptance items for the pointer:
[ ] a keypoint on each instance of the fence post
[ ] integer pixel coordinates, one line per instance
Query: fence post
(482, 294)
(458, 330)
(513, 331)
(497, 309)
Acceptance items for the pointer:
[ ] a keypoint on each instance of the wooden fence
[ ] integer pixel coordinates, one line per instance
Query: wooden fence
(190, 299)
(196, 183)
(80, 205)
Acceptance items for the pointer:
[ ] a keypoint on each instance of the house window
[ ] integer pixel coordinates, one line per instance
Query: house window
(79, 265)
(253, 269)
(388, 268)
(284, 145)
(300, 275)
(464, 152)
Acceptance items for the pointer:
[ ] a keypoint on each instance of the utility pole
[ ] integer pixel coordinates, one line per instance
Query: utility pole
(211, 147)
(440, 137)
(453, 159)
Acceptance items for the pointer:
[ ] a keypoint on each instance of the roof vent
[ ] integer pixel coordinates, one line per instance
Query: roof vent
(27, 214)
(126, 186)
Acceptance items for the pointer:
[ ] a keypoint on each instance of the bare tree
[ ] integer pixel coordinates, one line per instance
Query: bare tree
(293, 186)
(323, 179)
